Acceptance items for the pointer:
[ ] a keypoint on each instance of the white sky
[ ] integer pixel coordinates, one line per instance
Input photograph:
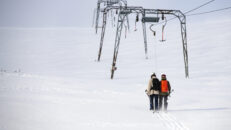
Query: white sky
(77, 13)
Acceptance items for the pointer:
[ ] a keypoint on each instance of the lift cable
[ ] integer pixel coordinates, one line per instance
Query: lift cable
(190, 10)
(200, 13)
(199, 6)
(206, 12)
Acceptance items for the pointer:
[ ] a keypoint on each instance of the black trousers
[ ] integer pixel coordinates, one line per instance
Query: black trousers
(165, 97)
(155, 97)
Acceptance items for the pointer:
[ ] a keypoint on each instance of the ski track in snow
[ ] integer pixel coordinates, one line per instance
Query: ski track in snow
(170, 121)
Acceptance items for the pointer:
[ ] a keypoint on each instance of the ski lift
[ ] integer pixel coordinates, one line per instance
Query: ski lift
(163, 27)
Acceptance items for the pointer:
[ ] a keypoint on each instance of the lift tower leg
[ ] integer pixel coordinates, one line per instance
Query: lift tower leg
(184, 41)
(120, 23)
(97, 17)
(102, 33)
(182, 19)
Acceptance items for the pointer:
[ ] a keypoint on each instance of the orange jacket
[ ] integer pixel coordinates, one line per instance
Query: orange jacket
(165, 86)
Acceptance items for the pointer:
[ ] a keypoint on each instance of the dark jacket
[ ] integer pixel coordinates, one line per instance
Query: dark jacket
(155, 84)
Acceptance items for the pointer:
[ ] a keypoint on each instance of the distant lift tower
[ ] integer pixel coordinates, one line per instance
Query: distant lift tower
(106, 3)
(128, 10)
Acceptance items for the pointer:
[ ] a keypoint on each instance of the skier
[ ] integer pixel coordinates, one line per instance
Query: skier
(164, 92)
(153, 91)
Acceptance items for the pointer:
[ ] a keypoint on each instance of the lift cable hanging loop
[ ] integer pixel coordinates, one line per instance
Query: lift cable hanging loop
(163, 27)
(137, 20)
(114, 21)
(135, 27)
(137, 17)
(126, 28)
(154, 32)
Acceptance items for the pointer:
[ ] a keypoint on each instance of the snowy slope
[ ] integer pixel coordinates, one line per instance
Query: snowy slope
(60, 86)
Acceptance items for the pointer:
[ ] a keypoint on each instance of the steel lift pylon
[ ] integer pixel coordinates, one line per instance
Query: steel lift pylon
(128, 10)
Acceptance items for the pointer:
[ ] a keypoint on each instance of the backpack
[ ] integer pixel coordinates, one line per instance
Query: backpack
(155, 84)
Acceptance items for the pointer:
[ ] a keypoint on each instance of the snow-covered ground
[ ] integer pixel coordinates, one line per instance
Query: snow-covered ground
(50, 79)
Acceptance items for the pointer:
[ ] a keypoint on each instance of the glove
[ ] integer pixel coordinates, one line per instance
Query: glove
(146, 91)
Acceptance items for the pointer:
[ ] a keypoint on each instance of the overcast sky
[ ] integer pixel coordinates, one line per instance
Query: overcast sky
(79, 13)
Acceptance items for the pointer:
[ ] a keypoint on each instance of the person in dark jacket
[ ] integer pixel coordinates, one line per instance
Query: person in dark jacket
(165, 90)
(153, 91)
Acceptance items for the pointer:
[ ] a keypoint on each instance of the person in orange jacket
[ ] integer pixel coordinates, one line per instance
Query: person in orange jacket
(165, 90)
